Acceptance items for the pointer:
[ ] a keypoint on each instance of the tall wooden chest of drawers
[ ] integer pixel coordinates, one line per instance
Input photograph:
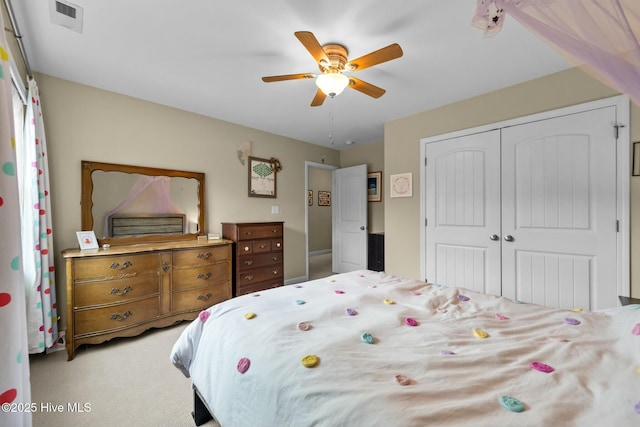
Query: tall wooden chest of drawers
(258, 255)
(125, 290)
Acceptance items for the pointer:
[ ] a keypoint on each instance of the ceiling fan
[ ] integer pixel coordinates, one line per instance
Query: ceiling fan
(333, 62)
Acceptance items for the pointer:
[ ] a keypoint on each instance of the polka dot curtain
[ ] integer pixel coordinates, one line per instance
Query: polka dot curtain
(14, 360)
(37, 234)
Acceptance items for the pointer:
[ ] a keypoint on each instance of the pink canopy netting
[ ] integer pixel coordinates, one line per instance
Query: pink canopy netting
(599, 36)
(148, 195)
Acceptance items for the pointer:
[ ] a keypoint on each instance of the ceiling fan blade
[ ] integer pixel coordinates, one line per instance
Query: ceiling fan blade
(310, 42)
(269, 79)
(366, 88)
(318, 99)
(393, 51)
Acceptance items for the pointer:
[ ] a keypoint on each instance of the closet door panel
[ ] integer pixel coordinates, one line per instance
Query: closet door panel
(559, 208)
(463, 212)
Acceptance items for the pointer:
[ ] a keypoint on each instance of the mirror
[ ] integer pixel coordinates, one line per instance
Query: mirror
(135, 204)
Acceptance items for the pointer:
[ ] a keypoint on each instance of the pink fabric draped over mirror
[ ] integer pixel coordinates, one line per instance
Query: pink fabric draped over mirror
(149, 195)
(599, 36)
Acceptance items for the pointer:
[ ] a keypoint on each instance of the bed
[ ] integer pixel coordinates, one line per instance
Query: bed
(371, 349)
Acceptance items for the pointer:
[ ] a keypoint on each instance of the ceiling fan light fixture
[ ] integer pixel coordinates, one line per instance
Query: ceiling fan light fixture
(332, 84)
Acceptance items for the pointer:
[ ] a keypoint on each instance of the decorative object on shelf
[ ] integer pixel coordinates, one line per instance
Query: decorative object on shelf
(87, 240)
(374, 188)
(310, 198)
(401, 185)
(324, 198)
(635, 170)
(262, 177)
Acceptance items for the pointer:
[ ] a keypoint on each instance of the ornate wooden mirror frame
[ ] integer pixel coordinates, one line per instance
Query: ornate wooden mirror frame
(86, 201)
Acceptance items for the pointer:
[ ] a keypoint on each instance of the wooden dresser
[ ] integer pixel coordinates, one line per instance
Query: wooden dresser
(258, 255)
(125, 290)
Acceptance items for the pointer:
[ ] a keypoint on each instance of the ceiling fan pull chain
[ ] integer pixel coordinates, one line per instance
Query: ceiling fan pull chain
(331, 121)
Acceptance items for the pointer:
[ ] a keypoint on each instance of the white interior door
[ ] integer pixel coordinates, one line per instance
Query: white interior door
(349, 219)
(559, 211)
(463, 212)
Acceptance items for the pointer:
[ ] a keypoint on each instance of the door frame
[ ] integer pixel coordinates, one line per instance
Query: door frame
(623, 111)
(308, 164)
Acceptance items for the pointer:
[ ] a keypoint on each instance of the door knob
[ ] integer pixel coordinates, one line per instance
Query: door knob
(362, 227)
(494, 237)
(509, 238)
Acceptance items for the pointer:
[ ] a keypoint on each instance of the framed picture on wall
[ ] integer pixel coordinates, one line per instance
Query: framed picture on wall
(324, 198)
(262, 178)
(401, 185)
(374, 189)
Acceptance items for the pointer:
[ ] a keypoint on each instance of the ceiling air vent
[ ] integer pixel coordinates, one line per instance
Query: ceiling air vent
(66, 14)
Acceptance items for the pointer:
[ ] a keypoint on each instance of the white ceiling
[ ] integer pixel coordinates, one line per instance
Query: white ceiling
(208, 57)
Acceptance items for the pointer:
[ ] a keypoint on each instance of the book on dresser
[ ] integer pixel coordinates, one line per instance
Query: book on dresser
(126, 289)
(257, 255)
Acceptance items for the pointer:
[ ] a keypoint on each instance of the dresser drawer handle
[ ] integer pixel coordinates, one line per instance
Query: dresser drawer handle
(204, 276)
(275, 272)
(248, 262)
(278, 244)
(262, 245)
(274, 231)
(205, 256)
(204, 297)
(248, 277)
(117, 266)
(120, 318)
(116, 291)
(248, 233)
(246, 248)
(165, 267)
(274, 258)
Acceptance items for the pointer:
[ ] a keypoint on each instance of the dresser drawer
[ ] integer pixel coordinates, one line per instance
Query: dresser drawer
(199, 299)
(261, 231)
(261, 260)
(277, 244)
(116, 316)
(194, 257)
(260, 246)
(257, 287)
(259, 275)
(115, 291)
(189, 278)
(115, 266)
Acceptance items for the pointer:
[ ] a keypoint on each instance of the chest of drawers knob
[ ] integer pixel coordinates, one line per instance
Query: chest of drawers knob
(204, 256)
(120, 318)
(125, 290)
(124, 266)
(204, 297)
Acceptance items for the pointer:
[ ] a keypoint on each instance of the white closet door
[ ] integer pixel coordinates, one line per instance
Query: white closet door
(463, 212)
(559, 211)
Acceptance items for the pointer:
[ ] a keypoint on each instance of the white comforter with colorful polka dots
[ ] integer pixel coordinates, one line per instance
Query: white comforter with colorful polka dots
(369, 349)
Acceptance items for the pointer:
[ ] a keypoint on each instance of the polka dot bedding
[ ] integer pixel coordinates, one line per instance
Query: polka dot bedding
(371, 349)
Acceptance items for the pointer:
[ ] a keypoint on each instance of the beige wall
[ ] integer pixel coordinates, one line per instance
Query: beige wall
(85, 123)
(320, 222)
(402, 152)
(373, 156)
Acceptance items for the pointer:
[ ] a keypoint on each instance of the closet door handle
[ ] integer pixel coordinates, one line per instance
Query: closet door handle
(508, 238)
(494, 237)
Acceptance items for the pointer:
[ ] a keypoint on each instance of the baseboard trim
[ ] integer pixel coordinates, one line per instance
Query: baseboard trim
(322, 252)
